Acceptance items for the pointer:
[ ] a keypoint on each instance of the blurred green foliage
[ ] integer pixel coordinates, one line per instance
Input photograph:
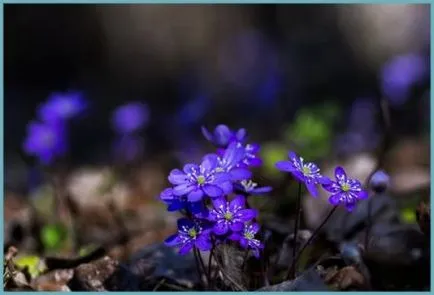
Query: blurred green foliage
(271, 153)
(85, 250)
(408, 215)
(31, 262)
(312, 130)
(53, 236)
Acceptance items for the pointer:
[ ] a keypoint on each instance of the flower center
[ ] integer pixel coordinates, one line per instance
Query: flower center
(249, 235)
(345, 187)
(228, 216)
(306, 170)
(201, 179)
(192, 232)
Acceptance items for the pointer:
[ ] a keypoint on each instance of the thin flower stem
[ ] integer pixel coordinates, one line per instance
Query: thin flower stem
(197, 265)
(297, 221)
(314, 234)
(244, 260)
(381, 157)
(210, 281)
(202, 264)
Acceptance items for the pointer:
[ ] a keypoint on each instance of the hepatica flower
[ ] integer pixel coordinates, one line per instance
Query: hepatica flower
(230, 215)
(62, 106)
(305, 172)
(45, 141)
(345, 191)
(230, 162)
(247, 240)
(222, 136)
(195, 181)
(251, 155)
(177, 203)
(191, 233)
(251, 188)
(130, 117)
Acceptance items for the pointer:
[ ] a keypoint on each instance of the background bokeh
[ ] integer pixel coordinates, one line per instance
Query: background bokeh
(307, 77)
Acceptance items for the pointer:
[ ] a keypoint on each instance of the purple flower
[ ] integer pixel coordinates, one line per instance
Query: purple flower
(196, 181)
(251, 155)
(223, 136)
(251, 188)
(130, 117)
(379, 181)
(191, 233)
(45, 141)
(230, 215)
(62, 106)
(230, 162)
(305, 172)
(177, 203)
(345, 190)
(247, 239)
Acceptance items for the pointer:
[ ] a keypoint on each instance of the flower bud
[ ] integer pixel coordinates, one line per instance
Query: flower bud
(379, 181)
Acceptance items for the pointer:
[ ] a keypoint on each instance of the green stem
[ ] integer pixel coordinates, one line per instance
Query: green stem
(291, 272)
(315, 233)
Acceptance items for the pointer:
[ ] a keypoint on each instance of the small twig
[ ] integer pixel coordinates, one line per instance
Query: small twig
(160, 283)
(53, 263)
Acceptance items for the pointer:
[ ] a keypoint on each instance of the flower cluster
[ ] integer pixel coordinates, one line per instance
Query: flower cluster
(212, 195)
(344, 190)
(46, 139)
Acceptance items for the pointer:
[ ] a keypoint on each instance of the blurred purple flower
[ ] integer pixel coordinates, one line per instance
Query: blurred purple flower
(223, 136)
(191, 233)
(362, 133)
(251, 188)
(354, 142)
(345, 191)
(247, 238)
(130, 117)
(305, 172)
(193, 111)
(230, 215)
(62, 106)
(400, 74)
(128, 147)
(45, 141)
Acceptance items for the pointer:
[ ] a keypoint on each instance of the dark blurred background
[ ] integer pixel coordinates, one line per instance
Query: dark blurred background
(248, 65)
(308, 77)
